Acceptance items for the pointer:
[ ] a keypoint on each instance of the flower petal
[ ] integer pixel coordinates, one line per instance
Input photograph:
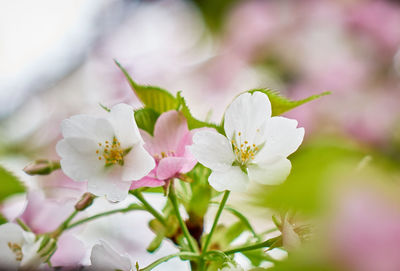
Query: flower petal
(282, 139)
(79, 160)
(247, 114)
(234, 179)
(31, 259)
(9, 232)
(272, 173)
(213, 150)
(147, 182)
(171, 127)
(190, 161)
(149, 143)
(123, 121)
(70, 251)
(85, 126)
(114, 189)
(104, 257)
(168, 167)
(137, 163)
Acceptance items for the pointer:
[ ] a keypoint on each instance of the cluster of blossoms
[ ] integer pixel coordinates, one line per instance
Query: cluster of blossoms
(114, 156)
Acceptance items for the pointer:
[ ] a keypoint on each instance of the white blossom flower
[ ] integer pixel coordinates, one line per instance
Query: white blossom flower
(104, 257)
(256, 145)
(107, 152)
(18, 248)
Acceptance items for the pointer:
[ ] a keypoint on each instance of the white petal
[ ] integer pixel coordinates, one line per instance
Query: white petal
(31, 259)
(137, 163)
(104, 257)
(282, 139)
(109, 186)
(213, 150)
(79, 159)
(247, 114)
(9, 232)
(234, 179)
(122, 119)
(272, 173)
(290, 239)
(85, 126)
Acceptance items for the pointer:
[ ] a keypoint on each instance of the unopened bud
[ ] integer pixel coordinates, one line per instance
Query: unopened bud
(42, 167)
(85, 201)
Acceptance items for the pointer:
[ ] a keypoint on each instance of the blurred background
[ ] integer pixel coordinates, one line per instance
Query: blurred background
(57, 59)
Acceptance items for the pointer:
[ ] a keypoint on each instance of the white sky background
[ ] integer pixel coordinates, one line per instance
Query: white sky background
(40, 40)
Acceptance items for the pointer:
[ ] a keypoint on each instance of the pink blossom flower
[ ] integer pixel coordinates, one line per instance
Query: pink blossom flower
(169, 149)
(378, 20)
(45, 215)
(365, 233)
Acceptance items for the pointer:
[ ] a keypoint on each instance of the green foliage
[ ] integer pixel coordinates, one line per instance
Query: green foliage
(214, 12)
(3, 220)
(10, 185)
(201, 191)
(156, 242)
(242, 218)
(194, 123)
(314, 167)
(157, 101)
(152, 97)
(224, 236)
(146, 119)
(303, 262)
(257, 256)
(281, 104)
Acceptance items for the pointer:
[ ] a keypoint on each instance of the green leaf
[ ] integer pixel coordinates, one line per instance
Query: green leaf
(152, 97)
(146, 119)
(224, 236)
(3, 220)
(156, 242)
(316, 166)
(242, 218)
(257, 256)
(201, 191)
(194, 123)
(9, 184)
(281, 104)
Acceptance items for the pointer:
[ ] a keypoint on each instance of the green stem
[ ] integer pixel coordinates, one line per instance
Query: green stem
(218, 214)
(242, 218)
(122, 210)
(168, 257)
(148, 207)
(267, 243)
(23, 225)
(192, 243)
(63, 225)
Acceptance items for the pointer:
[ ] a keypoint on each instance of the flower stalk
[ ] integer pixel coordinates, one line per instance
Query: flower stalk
(192, 243)
(148, 207)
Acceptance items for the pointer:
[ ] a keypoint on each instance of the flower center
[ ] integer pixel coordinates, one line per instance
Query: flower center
(163, 154)
(16, 249)
(111, 152)
(244, 151)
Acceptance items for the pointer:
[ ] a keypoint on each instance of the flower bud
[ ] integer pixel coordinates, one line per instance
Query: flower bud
(41, 167)
(85, 201)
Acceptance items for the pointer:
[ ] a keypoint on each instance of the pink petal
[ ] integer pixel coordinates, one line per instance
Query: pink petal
(45, 215)
(171, 127)
(148, 181)
(169, 167)
(70, 251)
(149, 143)
(190, 161)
